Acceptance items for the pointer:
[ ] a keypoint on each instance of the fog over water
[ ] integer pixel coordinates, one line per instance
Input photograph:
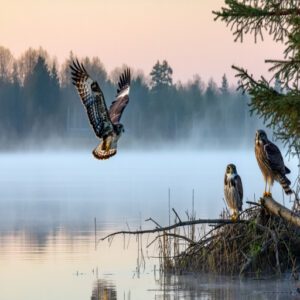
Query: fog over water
(71, 187)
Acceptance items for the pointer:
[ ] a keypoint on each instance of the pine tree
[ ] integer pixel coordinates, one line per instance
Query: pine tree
(161, 99)
(224, 86)
(41, 95)
(280, 110)
(16, 112)
(54, 96)
(161, 75)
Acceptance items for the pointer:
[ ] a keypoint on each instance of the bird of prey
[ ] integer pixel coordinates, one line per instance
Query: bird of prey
(271, 163)
(233, 191)
(106, 123)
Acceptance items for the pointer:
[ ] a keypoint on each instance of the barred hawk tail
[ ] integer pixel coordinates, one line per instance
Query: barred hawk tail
(106, 149)
(285, 183)
(101, 154)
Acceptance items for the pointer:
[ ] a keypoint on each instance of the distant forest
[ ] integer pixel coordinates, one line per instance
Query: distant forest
(38, 103)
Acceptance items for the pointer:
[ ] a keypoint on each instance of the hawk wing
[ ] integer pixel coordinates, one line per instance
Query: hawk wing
(239, 187)
(233, 190)
(92, 99)
(274, 158)
(122, 98)
(228, 193)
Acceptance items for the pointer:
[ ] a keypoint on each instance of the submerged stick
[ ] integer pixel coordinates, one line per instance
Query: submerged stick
(179, 224)
(95, 224)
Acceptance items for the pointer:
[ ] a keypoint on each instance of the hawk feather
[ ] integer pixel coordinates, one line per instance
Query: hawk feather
(92, 99)
(122, 98)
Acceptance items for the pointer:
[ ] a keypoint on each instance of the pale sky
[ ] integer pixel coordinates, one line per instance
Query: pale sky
(134, 32)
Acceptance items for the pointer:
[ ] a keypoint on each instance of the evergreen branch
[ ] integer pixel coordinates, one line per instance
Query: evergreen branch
(279, 111)
(286, 70)
(266, 9)
(246, 81)
(294, 61)
(272, 16)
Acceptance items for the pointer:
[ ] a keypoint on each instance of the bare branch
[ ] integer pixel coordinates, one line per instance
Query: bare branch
(172, 235)
(150, 219)
(176, 214)
(179, 224)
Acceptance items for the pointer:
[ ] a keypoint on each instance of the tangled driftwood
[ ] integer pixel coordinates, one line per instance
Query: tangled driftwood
(265, 239)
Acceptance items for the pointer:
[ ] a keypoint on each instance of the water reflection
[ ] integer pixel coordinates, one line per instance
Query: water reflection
(104, 290)
(192, 287)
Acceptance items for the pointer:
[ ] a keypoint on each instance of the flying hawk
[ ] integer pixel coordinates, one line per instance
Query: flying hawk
(233, 191)
(271, 163)
(106, 123)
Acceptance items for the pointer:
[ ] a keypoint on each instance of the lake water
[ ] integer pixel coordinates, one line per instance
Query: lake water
(48, 202)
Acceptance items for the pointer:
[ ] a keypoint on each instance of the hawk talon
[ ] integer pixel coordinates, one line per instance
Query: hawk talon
(234, 217)
(267, 194)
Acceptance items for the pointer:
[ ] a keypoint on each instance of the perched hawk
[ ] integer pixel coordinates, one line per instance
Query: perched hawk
(271, 163)
(233, 191)
(104, 122)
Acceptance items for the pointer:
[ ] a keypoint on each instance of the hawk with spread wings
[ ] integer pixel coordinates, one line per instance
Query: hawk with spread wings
(233, 191)
(106, 123)
(271, 163)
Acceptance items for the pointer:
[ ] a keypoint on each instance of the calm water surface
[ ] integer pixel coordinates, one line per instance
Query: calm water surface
(48, 203)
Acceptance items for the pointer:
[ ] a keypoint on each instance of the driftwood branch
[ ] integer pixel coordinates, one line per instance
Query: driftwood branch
(279, 210)
(150, 219)
(175, 225)
(174, 235)
(253, 203)
(176, 214)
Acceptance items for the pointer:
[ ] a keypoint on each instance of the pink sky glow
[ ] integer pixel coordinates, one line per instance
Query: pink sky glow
(134, 32)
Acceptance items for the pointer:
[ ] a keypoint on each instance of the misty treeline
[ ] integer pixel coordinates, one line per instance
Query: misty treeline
(38, 102)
